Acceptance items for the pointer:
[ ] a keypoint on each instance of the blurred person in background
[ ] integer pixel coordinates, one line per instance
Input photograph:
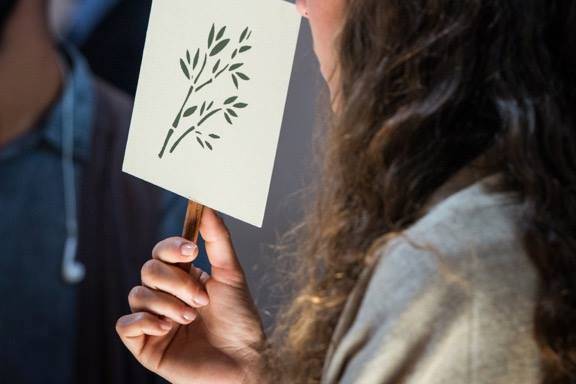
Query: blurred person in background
(77, 19)
(114, 47)
(73, 227)
(109, 33)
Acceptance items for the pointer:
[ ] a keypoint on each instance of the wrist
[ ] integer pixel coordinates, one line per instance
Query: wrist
(255, 373)
(255, 367)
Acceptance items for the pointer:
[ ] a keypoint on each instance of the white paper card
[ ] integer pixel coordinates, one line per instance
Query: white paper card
(210, 100)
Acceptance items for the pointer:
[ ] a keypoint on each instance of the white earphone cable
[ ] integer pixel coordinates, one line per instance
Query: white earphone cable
(73, 272)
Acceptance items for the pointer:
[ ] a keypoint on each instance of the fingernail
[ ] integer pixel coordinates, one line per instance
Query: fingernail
(201, 300)
(189, 315)
(188, 249)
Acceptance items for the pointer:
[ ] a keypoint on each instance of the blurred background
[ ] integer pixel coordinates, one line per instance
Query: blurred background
(111, 35)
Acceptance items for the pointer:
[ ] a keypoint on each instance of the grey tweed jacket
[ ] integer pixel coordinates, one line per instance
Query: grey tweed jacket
(449, 301)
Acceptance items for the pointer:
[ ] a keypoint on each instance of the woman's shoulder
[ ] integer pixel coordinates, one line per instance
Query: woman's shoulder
(454, 294)
(472, 220)
(473, 236)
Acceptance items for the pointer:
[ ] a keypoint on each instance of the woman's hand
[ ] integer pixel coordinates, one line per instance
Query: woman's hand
(195, 328)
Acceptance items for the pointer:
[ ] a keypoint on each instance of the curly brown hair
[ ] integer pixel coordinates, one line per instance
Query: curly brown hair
(426, 87)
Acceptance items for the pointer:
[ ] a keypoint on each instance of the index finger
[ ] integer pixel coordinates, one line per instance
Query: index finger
(175, 250)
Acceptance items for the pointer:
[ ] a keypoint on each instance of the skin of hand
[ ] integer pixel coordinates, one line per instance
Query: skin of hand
(191, 327)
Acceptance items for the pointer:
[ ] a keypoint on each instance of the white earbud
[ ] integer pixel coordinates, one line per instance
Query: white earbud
(73, 272)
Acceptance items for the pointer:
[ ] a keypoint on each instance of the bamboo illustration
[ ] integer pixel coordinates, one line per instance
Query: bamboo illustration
(201, 70)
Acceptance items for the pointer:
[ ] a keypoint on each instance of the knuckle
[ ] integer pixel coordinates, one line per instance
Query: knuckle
(120, 324)
(151, 269)
(160, 246)
(167, 245)
(156, 249)
(137, 294)
(191, 288)
(141, 317)
(224, 227)
(225, 231)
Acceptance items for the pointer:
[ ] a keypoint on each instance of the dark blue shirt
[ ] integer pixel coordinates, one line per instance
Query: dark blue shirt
(37, 309)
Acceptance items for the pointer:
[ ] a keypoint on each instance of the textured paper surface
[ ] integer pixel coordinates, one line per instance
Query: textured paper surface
(211, 99)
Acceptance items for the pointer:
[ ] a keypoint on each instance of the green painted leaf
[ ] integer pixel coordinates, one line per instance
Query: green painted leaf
(188, 56)
(210, 106)
(245, 48)
(219, 47)
(196, 57)
(231, 100)
(203, 108)
(243, 35)
(234, 53)
(240, 105)
(208, 145)
(200, 142)
(228, 118)
(235, 80)
(250, 34)
(221, 33)
(184, 69)
(232, 112)
(214, 136)
(190, 111)
(236, 66)
(242, 76)
(211, 36)
(216, 66)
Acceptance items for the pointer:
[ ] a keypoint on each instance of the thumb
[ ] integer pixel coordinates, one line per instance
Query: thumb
(225, 265)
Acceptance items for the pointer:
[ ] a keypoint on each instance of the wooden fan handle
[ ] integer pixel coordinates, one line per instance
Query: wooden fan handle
(192, 221)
